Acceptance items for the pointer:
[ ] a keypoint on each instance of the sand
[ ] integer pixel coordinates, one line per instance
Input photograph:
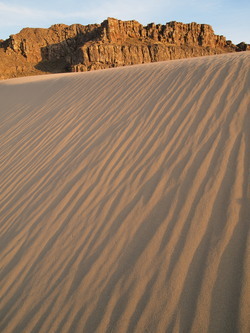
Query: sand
(125, 199)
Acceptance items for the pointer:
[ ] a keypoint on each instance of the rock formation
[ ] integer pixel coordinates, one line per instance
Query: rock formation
(112, 43)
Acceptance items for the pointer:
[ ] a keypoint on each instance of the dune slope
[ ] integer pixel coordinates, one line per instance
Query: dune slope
(125, 199)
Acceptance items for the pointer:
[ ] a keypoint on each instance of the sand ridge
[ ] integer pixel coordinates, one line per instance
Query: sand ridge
(125, 199)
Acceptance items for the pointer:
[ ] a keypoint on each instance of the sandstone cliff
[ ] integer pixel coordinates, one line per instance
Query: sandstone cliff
(109, 44)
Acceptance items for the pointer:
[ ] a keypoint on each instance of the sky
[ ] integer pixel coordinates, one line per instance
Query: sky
(227, 17)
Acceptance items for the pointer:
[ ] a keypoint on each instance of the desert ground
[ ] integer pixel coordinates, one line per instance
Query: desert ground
(125, 199)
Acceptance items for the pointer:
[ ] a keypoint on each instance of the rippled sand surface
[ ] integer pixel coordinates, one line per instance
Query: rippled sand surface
(124, 199)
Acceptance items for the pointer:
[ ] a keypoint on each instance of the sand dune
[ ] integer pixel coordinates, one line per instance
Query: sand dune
(125, 199)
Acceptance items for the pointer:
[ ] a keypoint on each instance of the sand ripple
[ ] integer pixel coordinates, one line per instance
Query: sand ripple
(125, 199)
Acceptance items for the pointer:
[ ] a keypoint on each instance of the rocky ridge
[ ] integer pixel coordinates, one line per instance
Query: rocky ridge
(112, 43)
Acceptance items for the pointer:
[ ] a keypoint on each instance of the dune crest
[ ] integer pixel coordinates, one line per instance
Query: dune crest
(125, 199)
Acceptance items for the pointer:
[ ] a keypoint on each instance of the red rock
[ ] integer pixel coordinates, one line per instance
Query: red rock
(109, 44)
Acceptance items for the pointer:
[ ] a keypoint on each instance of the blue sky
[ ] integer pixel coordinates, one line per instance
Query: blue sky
(227, 17)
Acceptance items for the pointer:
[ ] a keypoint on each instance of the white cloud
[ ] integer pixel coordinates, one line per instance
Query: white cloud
(16, 14)
(14, 17)
(19, 15)
(142, 10)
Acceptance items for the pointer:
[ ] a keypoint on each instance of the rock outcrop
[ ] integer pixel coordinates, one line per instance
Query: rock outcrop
(109, 44)
(242, 47)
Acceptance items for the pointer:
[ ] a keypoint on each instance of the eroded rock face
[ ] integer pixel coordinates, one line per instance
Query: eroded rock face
(53, 43)
(109, 44)
(106, 56)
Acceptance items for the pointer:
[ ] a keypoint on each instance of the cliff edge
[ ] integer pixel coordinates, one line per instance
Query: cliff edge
(112, 43)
